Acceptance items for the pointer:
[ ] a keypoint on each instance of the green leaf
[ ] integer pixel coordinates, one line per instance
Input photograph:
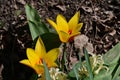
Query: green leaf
(74, 72)
(33, 29)
(47, 74)
(65, 60)
(89, 68)
(76, 66)
(80, 60)
(112, 67)
(112, 56)
(50, 40)
(32, 14)
(118, 78)
(103, 75)
(112, 59)
(62, 63)
(35, 25)
(18, 12)
(116, 71)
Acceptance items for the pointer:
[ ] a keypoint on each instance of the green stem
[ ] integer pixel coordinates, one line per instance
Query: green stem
(63, 56)
(80, 60)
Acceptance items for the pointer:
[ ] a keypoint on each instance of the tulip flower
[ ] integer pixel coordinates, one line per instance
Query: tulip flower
(67, 30)
(36, 57)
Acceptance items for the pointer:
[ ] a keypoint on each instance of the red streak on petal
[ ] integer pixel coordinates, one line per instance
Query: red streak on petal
(39, 62)
(70, 31)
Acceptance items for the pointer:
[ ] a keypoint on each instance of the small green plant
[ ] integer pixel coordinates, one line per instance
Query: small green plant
(45, 58)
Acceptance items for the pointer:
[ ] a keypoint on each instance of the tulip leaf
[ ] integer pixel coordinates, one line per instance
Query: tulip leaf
(32, 14)
(80, 60)
(116, 71)
(89, 68)
(72, 73)
(63, 61)
(36, 26)
(50, 40)
(76, 73)
(33, 29)
(47, 74)
(103, 75)
(118, 78)
(112, 59)
(113, 55)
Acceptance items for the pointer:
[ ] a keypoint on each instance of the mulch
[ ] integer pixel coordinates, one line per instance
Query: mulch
(101, 20)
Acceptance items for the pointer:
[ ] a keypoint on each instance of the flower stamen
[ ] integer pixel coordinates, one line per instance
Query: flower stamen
(40, 61)
(70, 31)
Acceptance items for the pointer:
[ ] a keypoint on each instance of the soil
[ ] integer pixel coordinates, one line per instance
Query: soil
(101, 20)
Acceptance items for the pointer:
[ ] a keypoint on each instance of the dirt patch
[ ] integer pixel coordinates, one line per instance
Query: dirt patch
(101, 20)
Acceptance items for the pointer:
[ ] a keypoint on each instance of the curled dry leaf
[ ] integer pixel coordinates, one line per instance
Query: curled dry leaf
(113, 33)
(109, 14)
(21, 1)
(62, 8)
(87, 9)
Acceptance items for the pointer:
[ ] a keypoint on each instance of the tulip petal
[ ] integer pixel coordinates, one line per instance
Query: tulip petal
(52, 64)
(78, 28)
(39, 69)
(62, 23)
(53, 24)
(32, 56)
(40, 48)
(51, 56)
(74, 21)
(64, 37)
(26, 62)
(72, 35)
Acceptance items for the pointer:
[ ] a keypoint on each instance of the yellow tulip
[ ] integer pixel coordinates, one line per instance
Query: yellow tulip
(35, 57)
(67, 30)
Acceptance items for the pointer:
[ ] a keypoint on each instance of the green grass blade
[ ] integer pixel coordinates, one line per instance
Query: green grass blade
(80, 59)
(65, 60)
(89, 68)
(76, 73)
